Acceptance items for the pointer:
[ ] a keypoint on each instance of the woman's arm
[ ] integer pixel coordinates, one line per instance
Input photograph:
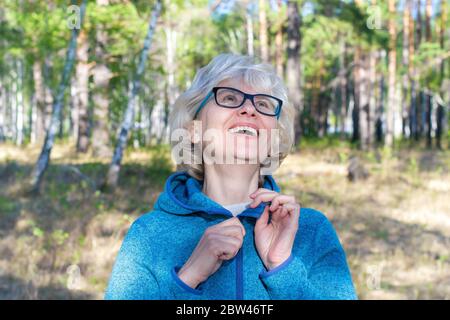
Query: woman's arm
(131, 278)
(327, 278)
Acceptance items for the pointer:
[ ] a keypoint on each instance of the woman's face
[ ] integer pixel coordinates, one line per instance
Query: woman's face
(235, 147)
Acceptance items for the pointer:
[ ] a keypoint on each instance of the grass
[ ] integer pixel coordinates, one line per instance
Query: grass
(394, 226)
(7, 206)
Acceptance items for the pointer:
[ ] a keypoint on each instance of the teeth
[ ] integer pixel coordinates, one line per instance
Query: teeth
(244, 129)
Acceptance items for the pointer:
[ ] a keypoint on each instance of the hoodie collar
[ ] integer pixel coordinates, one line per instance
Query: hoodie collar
(183, 195)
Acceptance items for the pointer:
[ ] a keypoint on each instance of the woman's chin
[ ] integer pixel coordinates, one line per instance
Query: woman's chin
(245, 157)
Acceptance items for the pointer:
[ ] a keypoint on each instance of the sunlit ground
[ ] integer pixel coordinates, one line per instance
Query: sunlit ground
(394, 226)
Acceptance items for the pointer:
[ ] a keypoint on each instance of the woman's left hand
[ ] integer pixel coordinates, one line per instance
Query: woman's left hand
(274, 240)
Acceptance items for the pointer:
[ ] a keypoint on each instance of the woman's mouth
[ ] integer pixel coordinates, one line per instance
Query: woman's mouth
(244, 130)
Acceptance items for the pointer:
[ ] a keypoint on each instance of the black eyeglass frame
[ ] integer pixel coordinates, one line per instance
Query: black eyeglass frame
(250, 97)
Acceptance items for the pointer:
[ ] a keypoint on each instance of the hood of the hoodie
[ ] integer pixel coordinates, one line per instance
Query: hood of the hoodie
(183, 195)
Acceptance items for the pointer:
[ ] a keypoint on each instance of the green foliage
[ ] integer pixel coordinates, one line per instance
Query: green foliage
(320, 45)
(125, 28)
(428, 55)
(59, 236)
(413, 171)
(38, 232)
(7, 206)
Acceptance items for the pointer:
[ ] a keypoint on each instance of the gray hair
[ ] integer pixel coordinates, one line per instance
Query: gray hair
(227, 66)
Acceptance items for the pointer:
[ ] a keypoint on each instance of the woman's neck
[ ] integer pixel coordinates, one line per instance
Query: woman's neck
(229, 184)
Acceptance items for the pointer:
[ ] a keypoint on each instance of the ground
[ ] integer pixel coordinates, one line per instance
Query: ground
(61, 244)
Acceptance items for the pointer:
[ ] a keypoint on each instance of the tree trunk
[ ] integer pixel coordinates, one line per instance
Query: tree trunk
(314, 105)
(363, 63)
(101, 77)
(172, 92)
(411, 75)
(2, 107)
(418, 92)
(249, 25)
(39, 128)
(428, 102)
(342, 87)
(279, 47)
(263, 37)
(445, 83)
(380, 94)
(82, 93)
(13, 100)
(3, 90)
(293, 70)
(443, 29)
(20, 103)
(114, 168)
(363, 102)
(356, 94)
(389, 138)
(428, 9)
(372, 83)
(405, 62)
(44, 157)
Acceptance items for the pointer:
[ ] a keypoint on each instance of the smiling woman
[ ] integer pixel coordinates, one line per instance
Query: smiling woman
(223, 230)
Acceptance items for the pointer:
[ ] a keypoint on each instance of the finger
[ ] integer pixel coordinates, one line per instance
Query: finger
(276, 215)
(266, 196)
(231, 222)
(284, 212)
(263, 220)
(281, 199)
(258, 191)
(225, 247)
(226, 252)
(289, 209)
(233, 231)
(228, 255)
(294, 210)
(216, 241)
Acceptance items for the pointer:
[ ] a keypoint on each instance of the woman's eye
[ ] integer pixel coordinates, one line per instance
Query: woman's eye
(230, 98)
(263, 104)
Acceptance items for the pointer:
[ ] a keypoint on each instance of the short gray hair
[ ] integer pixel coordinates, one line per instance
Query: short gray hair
(226, 66)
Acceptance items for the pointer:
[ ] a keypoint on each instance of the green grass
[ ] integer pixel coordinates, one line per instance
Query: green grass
(330, 141)
(8, 207)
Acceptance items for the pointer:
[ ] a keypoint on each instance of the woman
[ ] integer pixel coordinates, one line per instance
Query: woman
(221, 229)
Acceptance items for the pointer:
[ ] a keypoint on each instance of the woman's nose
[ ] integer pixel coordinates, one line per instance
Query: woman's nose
(248, 108)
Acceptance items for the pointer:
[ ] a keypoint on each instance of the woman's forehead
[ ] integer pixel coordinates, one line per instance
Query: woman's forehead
(240, 84)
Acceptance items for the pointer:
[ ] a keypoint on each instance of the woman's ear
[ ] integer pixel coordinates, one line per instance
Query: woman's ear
(195, 131)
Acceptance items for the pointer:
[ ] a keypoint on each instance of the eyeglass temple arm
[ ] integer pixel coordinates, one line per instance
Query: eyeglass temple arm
(203, 103)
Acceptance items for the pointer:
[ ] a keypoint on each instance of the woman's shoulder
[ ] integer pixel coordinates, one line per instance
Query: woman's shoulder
(153, 223)
(313, 215)
(314, 219)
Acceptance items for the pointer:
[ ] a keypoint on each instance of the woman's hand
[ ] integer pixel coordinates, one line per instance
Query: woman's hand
(219, 242)
(274, 240)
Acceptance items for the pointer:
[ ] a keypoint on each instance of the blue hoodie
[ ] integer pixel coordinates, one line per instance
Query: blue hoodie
(160, 242)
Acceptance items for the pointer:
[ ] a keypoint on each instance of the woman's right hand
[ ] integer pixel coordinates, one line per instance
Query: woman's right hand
(218, 243)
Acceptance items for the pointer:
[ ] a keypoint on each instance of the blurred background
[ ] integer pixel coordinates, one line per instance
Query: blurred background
(85, 92)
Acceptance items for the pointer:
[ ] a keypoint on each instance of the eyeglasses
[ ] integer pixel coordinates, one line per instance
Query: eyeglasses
(233, 98)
